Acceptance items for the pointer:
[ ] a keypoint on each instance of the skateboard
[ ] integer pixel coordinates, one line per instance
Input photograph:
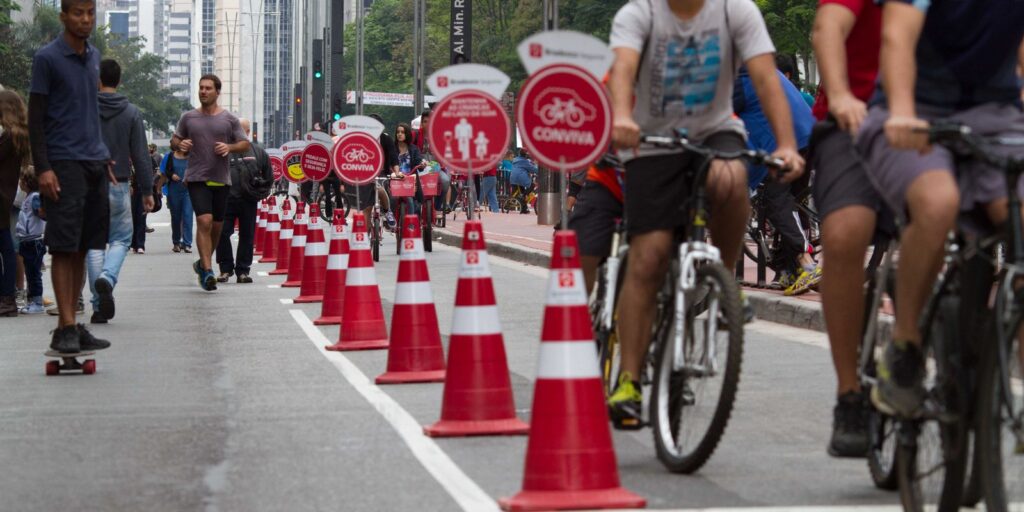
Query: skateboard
(88, 367)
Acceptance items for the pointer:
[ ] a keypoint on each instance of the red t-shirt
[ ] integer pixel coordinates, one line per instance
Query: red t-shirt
(862, 48)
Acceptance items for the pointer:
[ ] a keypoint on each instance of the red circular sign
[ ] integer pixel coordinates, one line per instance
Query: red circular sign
(293, 166)
(564, 117)
(277, 165)
(316, 161)
(469, 130)
(357, 158)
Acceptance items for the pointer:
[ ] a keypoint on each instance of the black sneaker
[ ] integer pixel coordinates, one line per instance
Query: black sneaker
(849, 426)
(89, 342)
(197, 268)
(66, 340)
(97, 318)
(223, 277)
(900, 390)
(243, 279)
(105, 293)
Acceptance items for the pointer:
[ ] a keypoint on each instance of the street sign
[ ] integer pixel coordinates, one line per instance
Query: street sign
(564, 117)
(469, 130)
(316, 161)
(565, 47)
(477, 77)
(277, 164)
(357, 157)
(358, 124)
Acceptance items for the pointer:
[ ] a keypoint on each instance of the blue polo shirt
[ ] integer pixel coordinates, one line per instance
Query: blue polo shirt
(71, 84)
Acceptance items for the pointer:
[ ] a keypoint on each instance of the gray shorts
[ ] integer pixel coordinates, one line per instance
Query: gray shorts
(840, 179)
(892, 172)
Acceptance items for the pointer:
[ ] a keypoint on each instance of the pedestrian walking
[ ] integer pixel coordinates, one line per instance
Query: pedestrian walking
(209, 134)
(139, 214)
(174, 166)
(31, 227)
(14, 154)
(251, 180)
(71, 162)
(125, 138)
(489, 189)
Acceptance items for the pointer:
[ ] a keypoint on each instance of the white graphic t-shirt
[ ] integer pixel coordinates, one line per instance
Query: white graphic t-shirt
(688, 67)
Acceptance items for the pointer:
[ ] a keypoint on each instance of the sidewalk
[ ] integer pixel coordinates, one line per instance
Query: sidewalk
(518, 237)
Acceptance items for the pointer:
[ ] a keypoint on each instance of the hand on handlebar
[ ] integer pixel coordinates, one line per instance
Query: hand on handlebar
(907, 132)
(625, 132)
(793, 163)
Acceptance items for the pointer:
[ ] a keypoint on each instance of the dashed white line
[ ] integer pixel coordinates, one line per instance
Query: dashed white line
(287, 301)
(273, 286)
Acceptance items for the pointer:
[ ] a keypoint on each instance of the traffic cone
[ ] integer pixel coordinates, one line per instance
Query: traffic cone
(298, 252)
(284, 239)
(261, 228)
(416, 354)
(362, 322)
(477, 391)
(314, 266)
(337, 268)
(570, 461)
(273, 232)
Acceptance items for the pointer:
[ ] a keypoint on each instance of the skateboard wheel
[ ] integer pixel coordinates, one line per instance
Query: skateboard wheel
(52, 367)
(89, 366)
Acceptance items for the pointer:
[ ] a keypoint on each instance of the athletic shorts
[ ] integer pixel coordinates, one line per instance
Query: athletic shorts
(365, 192)
(657, 188)
(80, 219)
(593, 219)
(209, 200)
(840, 178)
(893, 171)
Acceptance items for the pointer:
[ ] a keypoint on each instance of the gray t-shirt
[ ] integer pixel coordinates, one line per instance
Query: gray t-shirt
(206, 130)
(688, 67)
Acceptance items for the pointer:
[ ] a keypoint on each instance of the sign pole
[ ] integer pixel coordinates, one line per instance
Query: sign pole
(563, 182)
(472, 191)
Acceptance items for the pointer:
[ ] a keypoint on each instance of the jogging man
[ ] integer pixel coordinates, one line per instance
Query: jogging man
(847, 38)
(125, 137)
(71, 162)
(679, 58)
(242, 206)
(952, 59)
(209, 134)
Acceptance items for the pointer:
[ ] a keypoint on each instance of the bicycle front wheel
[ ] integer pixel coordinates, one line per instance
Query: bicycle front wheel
(692, 398)
(1001, 422)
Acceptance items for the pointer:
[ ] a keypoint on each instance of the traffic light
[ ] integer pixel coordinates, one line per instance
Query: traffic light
(318, 69)
(336, 107)
(298, 100)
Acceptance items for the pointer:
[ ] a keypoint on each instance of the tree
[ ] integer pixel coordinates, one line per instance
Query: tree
(789, 23)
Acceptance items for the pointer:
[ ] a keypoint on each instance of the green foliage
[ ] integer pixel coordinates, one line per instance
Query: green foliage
(789, 23)
(6, 6)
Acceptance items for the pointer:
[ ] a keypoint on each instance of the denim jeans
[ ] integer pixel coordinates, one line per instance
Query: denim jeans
(108, 263)
(8, 262)
(489, 192)
(181, 214)
(32, 252)
(444, 182)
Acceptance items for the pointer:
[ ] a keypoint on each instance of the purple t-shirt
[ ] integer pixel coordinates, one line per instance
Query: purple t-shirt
(205, 131)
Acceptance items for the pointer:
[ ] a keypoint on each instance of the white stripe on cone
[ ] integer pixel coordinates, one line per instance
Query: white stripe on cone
(361, 276)
(274, 226)
(565, 288)
(568, 360)
(299, 241)
(475, 320)
(474, 265)
(287, 233)
(316, 249)
(414, 293)
(360, 241)
(337, 261)
(339, 233)
(415, 253)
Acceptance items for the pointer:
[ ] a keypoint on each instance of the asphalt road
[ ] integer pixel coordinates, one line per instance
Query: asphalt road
(225, 402)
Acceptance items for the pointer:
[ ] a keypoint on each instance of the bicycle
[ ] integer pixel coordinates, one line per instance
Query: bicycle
(328, 197)
(422, 188)
(699, 301)
(515, 200)
(768, 241)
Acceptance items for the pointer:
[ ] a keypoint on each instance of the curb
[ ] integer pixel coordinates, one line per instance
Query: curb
(767, 306)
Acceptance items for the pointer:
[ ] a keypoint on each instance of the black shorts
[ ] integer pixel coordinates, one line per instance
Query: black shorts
(593, 219)
(365, 192)
(840, 178)
(80, 219)
(207, 200)
(657, 187)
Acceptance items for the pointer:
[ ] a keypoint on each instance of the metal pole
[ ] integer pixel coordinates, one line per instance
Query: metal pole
(359, 57)
(418, 45)
(471, 192)
(563, 194)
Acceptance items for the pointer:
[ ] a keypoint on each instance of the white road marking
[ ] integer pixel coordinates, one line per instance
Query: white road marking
(460, 487)
(287, 301)
(263, 274)
(273, 286)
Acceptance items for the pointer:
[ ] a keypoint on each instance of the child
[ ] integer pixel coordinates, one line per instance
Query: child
(30, 241)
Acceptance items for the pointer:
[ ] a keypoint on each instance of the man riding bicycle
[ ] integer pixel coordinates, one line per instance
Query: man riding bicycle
(679, 58)
(947, 59)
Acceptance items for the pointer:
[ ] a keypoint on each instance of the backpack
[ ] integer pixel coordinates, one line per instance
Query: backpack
(253, 184)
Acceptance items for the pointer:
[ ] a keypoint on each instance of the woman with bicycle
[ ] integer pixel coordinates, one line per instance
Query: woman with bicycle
(409, 162)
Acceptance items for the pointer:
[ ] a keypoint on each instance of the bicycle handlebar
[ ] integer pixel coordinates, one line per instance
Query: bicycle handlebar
(956, 135)
(756, 157)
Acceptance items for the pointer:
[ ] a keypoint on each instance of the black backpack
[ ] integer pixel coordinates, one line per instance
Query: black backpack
(253, 183)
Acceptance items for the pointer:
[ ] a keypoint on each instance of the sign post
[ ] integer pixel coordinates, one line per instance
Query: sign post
(357, 154)
(316, 156)
(293, 161)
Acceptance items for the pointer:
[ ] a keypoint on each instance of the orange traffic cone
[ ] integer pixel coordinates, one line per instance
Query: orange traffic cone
(477, 391)
(337, 268)
(284, 239)
(362, 322)
(261, 228)
(272, 234)
(570, 461)
(314, 268)
(298, 253)
(416, 354)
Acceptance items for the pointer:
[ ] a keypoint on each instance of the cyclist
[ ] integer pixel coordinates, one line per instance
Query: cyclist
(523, 173)
(671, 54)
(598, 205)
(964, 68)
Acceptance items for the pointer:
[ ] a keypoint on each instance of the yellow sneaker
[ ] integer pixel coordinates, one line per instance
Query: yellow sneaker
(804, 283)
(625, 406)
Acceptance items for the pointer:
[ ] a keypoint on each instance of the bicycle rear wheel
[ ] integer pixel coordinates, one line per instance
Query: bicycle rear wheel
(1001, 421)
(691, 404)
(881, 427)
(375, 238)
(427, 221)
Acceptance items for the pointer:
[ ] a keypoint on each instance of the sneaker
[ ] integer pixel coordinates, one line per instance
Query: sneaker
(21, 298)
(80, 308)
(625, 406)
(66, 340)
(89, 342)
(186, 249)
(197, 269)
(208, 281)
(803, 284)
(900, 390)
(223, 277)
(243, 279)
(389, 219)
(33, 308)
(97, 318)
(787, 279)
(176, 248)
(105, 295)
(849, 426)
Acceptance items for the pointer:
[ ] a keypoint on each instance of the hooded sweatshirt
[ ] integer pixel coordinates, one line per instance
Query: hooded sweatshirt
(125, 136)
